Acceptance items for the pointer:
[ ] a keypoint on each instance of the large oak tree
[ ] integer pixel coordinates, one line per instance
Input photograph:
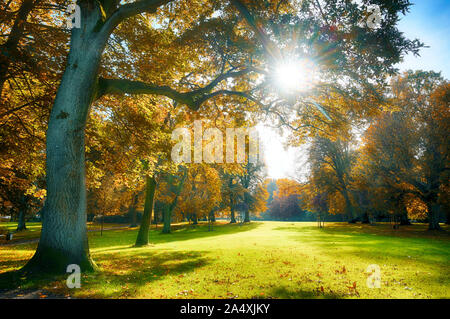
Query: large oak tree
(330, 35)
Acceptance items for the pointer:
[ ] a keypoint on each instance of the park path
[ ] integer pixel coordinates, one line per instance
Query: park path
(36, 240)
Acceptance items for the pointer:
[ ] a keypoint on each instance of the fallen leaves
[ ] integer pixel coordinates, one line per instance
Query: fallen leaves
(341, 271)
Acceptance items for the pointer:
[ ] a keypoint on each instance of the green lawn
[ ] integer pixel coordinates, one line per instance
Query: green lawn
(259, 260)
(33, 230)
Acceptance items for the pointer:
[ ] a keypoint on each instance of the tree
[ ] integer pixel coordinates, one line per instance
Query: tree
(63, 238)
(409, 149)
(285, 204)
(232, 192)
(200, 193)
(255, 194)
(31, 56)
(150, 188)
(331, 163)
(169, 194)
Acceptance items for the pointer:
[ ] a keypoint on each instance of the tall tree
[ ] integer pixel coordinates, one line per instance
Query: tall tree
(409, 149)
(331, 163)
(85, 80)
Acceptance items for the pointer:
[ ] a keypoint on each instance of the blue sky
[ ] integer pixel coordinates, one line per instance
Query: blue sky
(429, 21)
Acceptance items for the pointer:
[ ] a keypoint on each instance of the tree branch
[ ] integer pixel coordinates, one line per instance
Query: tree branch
(193, 99)
(128, 10)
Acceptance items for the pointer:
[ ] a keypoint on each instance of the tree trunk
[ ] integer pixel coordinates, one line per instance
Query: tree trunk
(246, 215)
(167, 212)
(167, 215)
(132, 210)
(348, 208)
(64, 235)
(365, 218)
(21, 223)
(212, 216)
(233, 218)
(133, 213)
(433, 216)
(404, 220)
(194, 219)
(142, 238)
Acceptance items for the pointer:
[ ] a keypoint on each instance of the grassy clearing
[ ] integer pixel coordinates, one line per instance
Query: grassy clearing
(260, 260)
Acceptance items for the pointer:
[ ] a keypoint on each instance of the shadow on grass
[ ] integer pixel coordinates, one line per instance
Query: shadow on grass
(287, 293)
(120, 274)
(185, 232)
(18, 280)
(123, 274)
(6, 264)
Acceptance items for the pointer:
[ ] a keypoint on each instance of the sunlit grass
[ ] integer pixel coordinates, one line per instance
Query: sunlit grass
(261, 260)
(33, 230)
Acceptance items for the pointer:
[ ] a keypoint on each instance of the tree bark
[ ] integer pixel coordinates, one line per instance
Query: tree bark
(64, 235)
(348, 208)
(233, 217)
(167, 215)
(404, 220)
(365, 218)
(433, 216)
(194, 219)
(133, 213)
(142, 238)
(246, 215)
(132, 210)
(212, 216)
(21, 222)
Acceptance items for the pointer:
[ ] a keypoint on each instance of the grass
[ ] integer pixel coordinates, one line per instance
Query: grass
(258, 260)
(33, 230)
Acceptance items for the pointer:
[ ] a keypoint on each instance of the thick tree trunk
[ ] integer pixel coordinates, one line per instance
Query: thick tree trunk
(194, 219)
(64, 236)
(142, 238)
(21, 222)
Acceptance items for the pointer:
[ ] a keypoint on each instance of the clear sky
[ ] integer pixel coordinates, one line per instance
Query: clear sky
(429, 21)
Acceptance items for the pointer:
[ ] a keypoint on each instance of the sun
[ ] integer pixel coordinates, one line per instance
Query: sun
(294, 76)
